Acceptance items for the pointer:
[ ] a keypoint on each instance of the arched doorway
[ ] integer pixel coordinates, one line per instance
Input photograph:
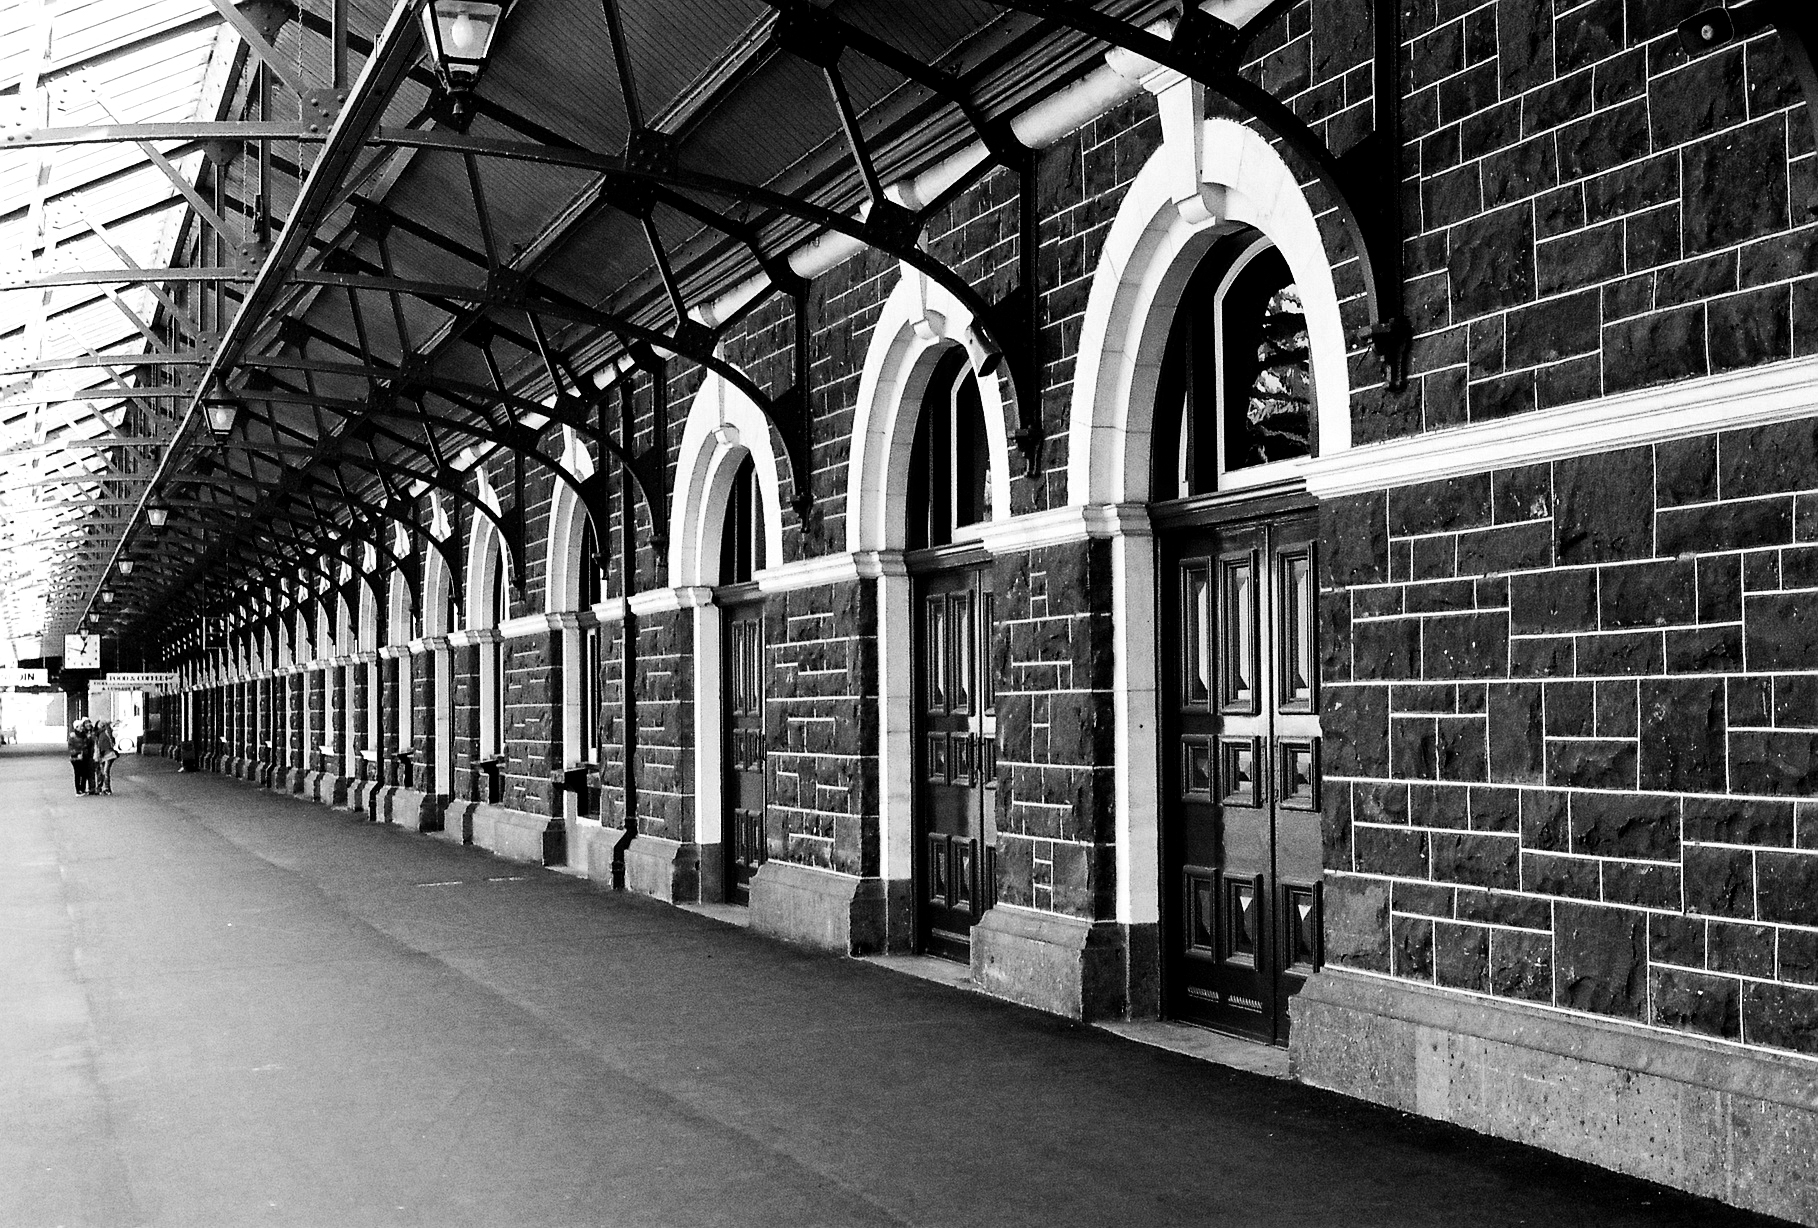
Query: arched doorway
(1239, 800)
(741, 605)
(955, 714)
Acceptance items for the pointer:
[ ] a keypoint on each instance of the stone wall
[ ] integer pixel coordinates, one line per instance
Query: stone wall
(1573, 729)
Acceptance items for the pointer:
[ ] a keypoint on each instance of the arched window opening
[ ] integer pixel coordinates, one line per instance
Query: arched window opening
(500, 610)
(1236, 384)
(593, 584)
(950, 462)
(742, 537)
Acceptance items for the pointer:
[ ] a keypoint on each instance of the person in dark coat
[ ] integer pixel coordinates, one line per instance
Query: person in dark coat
(82, 757)
(106, 751)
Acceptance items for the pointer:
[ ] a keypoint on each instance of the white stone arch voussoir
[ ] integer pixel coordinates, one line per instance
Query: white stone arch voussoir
(567, 517)
(486, 553)
(1148, 257)
(919, 321)
(709, 459)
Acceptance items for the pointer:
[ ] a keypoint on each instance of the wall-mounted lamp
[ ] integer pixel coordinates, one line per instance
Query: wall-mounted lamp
(126, 567)
(107, 596)
(156, 516)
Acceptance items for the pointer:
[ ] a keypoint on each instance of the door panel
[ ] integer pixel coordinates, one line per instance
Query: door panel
(1241, 788)
(956, 769)
(743, 820)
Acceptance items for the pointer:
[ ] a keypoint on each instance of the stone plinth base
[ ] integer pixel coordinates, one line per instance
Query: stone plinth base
(594, 850)
(457, 821)
(665, 869)
(1710, 1118)
(1065, 965)
(410, 809)
(819, 908)
(518, 835)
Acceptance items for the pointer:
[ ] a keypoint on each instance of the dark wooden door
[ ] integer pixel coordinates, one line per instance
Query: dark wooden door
(1240, 773)
(956, 759)
(743, 791)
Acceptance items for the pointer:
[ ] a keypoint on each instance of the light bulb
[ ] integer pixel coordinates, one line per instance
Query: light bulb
(464, 33)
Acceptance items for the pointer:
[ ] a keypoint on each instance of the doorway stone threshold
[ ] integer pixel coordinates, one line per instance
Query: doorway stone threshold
(725, 914)
(1205, 1045)
(926, 968)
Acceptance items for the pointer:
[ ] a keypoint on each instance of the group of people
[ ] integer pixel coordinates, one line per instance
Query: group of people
(92, 751)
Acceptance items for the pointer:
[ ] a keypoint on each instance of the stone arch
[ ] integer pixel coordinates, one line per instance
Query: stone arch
(436, 583)
(919, 321)
(1149, 255)
(486, 553)
(567, 519)
(722, 428)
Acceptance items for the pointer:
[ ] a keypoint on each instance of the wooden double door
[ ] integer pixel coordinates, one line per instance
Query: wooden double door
(955, 759)
(1240, 773)
(743, 744)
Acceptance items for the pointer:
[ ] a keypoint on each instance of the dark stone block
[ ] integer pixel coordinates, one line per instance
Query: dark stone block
(1335, 827)
(1442, 506)
(1413, 746)
(1781, 630)
(1760, 572)
(1357, 730)
(1571, 709)
(1466, 646)
(1553, 601)
(1787, 887)
(1434, 558)
(1733, 820)
(1720, 588)
(1719, 882)
(1778, 764)
(1615, 825)
(1516, 732)
(1441, 596)
(1660, 348)
(1621, 653)
(1495, 810)
(1552, 874)
(1750, 329)
(1521, 965)
(1391, 850)
(1744, 949)
(1357, 922)
(1602, 959)
(1561, 327)
(1799, 567)
(1545, 825)
(1378, 802)
(1704, 650)
(1605, 507)
(1677, 939)
(1461, 957)
(1591, 764)
(1726, 526)
(1422, 899)
(1477, 860)
(1413, 945)
(1646, 594)
(1386, 648)
(1685, 471)
(1683, 732)
(1516, 547)
(1796, 701)
(1617, 709)
(1695, 1002)
(1641, 884)
(1381, 601)
(1780, 1016)
(1525, 494)
(1462, 750)
(1354, 540)
(1717, 214)
(1767, 460)
(1553, 656)
(1799, 956)
(1492, 261)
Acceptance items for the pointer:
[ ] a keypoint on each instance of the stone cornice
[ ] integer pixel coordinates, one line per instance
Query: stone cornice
(1758, 397)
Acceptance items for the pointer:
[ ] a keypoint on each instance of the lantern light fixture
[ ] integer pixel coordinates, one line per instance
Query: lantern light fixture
(222, 414)
(459, 34)
(126, 567)
(107, 596)
(156, 516)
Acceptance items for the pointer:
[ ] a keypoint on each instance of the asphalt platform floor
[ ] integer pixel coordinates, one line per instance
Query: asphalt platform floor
(224, 1007)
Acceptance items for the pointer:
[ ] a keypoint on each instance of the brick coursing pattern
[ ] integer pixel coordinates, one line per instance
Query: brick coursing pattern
(1572, 733)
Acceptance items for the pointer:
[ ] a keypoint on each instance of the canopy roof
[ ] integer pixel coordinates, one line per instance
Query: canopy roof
(281, 204)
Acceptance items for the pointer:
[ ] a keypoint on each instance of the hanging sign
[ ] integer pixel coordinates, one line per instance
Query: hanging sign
(81, 652)
(132, 682)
